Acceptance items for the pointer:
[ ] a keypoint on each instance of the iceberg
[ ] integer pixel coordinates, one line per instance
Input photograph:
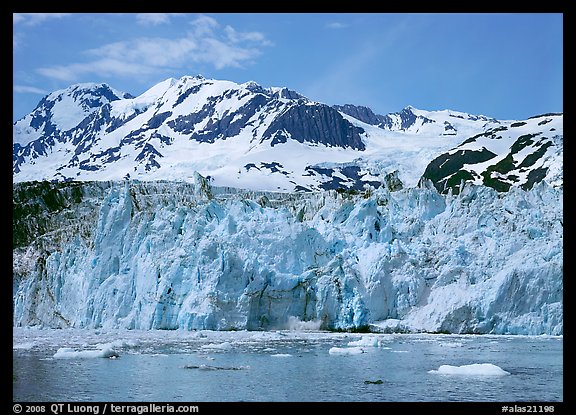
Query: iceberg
(70, 353)
(476, 369)
(346, 350)
(367, 341)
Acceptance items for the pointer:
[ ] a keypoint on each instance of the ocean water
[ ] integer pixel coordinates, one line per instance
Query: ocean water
(200, 366)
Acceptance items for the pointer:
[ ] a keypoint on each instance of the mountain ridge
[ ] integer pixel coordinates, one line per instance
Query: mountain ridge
(239, 135)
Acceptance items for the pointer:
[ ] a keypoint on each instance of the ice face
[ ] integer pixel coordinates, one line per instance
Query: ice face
(168, 255)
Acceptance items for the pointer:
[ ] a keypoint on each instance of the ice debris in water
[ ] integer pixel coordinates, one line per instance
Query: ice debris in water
(209, 367)
(70, 353)
(346, 350)
(218, 346)
(476, 369)
(367, 341)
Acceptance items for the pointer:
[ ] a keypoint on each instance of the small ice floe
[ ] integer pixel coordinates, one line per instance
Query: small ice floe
(453, 344)
(281, 355)
(69, 353)
(218, 346)
(346, 350)
(23, 346)
(476, 369)
(209, 367)
(366, 341)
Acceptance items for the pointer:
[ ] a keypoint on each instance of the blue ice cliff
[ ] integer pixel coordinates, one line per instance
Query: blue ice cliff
(175, 255)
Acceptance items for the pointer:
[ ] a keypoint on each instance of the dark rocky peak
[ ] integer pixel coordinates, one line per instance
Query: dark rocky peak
(286, 93)
(361, 113)
(314, 123)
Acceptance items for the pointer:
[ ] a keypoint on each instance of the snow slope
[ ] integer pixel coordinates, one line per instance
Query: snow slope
(239, 135)
(518, 154)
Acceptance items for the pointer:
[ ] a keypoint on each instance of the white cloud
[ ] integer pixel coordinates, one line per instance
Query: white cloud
(155, 52)
(337, 25)
(236, 37)
(154, 19)
(206, 43)
(26, 89)
(204, 25)
(101, 67)
(33, 19)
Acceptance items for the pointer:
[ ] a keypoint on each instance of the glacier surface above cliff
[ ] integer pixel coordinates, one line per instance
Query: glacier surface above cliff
(176, 255)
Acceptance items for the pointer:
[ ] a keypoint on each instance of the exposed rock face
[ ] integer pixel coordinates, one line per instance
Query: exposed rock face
(403, 120)
(316, 123)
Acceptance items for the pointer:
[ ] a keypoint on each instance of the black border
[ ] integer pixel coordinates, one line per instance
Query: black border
(550, 6)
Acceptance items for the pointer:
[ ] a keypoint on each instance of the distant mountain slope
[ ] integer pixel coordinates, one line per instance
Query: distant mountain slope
(518, 154)
(238, 135)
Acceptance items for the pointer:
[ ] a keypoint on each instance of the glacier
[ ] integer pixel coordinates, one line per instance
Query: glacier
(186, 255)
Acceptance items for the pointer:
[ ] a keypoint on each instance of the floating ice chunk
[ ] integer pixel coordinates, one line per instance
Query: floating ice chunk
(346, 350)
(476, 369)
(454, 344)
(281, 355)
(220, 346)
(69, 353)
(366, 341)
(208, 367)
(24, 346)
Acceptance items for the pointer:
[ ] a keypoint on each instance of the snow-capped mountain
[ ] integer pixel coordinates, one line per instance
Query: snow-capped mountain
(517, 154)
(63, 110)
(238, 135)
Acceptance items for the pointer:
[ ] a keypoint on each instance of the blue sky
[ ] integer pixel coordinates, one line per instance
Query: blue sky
(503, 65)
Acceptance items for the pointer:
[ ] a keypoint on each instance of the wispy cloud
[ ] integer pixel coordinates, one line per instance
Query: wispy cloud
(33, 19)
(26, 89)
(102, 67)
(155, 19)
(30, 19)
(207, 42)
(336, 25)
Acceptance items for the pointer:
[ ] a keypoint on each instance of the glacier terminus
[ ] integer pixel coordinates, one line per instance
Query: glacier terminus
(166, 255)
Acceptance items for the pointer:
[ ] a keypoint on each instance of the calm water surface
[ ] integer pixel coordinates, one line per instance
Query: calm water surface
(170, 366)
